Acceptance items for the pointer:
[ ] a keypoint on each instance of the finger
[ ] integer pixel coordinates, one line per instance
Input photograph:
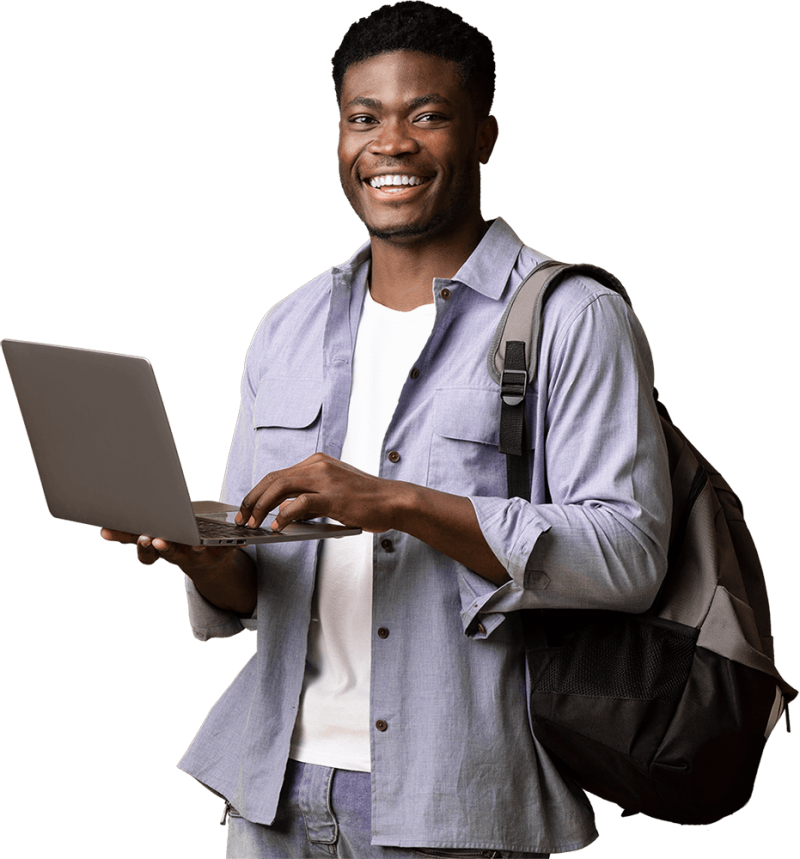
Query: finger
(297, 509)
(150, 550)
(256, 507)
(189, 557)
(176, 551)
(145, 553)
(118, 536)
(246, 510)
(276, 487)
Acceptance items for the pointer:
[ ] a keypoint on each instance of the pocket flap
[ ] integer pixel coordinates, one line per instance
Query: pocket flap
(281, 404)
(468, 414)
(473, 414)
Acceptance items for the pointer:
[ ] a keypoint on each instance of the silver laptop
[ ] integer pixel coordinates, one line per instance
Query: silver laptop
(106, 455)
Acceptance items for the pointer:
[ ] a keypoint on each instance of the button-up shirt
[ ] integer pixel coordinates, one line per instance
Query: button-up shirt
(454, 762)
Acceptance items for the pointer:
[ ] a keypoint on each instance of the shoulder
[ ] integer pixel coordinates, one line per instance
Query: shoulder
(309, 303)
(586, 321)
(580, 301)
(292, 331)
(575, 292)
(302, 305)
(300, 312)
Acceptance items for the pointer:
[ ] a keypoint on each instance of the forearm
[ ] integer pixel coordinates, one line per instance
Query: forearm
(229, 584)
(448, 524)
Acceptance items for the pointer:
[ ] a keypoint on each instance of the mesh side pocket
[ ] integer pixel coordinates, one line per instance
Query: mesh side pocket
(612, 655)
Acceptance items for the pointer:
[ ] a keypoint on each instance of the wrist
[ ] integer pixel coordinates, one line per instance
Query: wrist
(230, 583)
(406, 504)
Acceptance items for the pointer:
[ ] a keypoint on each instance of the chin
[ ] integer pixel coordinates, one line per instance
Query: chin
(407, 231)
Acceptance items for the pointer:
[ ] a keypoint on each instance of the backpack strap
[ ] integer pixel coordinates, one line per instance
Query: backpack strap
(513, 359)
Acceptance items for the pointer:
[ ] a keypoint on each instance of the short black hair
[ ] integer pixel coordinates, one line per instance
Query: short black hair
(417, 26)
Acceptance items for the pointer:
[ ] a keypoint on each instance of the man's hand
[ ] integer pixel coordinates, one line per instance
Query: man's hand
(322, 486)
(224, 575)
(191, 559)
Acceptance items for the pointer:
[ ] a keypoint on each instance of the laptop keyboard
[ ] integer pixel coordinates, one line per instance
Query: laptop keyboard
(213, 530)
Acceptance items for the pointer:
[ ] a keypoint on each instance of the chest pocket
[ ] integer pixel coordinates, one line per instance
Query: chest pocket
(464, 458)
(286, 421)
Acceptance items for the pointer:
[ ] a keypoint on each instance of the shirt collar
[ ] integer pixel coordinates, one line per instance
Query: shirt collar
(486, 271)
(361, 256)
(490, 265)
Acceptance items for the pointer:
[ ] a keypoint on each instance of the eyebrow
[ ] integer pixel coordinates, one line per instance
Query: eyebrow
(419, 101)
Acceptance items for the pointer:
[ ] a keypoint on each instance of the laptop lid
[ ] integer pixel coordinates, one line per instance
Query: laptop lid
(103, 445)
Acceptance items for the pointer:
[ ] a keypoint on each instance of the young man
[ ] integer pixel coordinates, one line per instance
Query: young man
(384, 713)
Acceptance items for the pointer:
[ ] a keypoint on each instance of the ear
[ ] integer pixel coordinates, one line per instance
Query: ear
(486, 138)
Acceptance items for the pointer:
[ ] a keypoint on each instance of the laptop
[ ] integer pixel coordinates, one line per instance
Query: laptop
(106, 455)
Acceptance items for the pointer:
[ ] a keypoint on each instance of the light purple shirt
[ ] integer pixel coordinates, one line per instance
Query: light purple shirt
(454, 763)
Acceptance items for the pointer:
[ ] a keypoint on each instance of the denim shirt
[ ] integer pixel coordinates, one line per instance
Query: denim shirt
(454, 761)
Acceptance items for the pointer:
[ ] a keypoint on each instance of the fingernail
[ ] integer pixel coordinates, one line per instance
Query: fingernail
(238, 518)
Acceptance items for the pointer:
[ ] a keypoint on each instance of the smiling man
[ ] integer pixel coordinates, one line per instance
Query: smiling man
(384, 713)
(438, 134)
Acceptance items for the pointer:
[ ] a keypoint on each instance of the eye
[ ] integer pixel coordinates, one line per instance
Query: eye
(362, 119)
(427, 118)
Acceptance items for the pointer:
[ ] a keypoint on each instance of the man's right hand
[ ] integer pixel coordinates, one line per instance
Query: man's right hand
(189, 558)
(224, 575)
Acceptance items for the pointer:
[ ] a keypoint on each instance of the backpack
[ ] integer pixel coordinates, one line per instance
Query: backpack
(666, 712)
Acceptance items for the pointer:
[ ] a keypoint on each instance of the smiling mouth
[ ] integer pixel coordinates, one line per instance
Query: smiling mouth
(393, 182)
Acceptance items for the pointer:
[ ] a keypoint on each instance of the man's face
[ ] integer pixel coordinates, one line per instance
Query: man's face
(410, 146)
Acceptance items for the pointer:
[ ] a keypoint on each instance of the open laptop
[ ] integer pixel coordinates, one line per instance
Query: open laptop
(106, 455)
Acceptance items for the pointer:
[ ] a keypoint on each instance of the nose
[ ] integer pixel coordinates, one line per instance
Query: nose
(394, 137)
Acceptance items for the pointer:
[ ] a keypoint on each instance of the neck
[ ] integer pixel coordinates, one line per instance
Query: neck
(403, 272)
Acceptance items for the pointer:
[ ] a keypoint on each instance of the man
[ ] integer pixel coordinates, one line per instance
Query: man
(385, 710)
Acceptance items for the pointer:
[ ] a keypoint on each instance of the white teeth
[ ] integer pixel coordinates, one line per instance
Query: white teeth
(394, 179)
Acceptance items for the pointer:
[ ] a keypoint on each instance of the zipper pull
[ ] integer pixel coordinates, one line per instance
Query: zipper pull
(225, 813)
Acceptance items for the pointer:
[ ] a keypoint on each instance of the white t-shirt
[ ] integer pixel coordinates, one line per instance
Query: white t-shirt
(333, 724)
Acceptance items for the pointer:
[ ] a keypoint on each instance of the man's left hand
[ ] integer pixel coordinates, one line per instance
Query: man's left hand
(322, 486)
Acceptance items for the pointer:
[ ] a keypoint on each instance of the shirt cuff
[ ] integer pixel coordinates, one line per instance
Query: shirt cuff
(208, 621)
(477, 623)
(512, 527)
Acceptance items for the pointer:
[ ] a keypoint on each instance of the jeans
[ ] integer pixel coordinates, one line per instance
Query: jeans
(325, 812)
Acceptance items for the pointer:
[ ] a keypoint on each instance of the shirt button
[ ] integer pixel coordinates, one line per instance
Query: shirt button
(383, 632)
(445, 293)
(381, 725)
(387, 545)
(481, 629)
(394, 456)
(415, 373)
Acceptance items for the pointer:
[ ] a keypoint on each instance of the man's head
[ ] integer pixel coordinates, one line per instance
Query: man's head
(414, 84)
(426, 29)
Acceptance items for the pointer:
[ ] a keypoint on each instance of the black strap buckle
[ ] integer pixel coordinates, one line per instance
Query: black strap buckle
(513, 385)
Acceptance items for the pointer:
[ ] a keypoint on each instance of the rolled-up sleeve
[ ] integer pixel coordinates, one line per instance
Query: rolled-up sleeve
(600, 540)
(208, 621)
